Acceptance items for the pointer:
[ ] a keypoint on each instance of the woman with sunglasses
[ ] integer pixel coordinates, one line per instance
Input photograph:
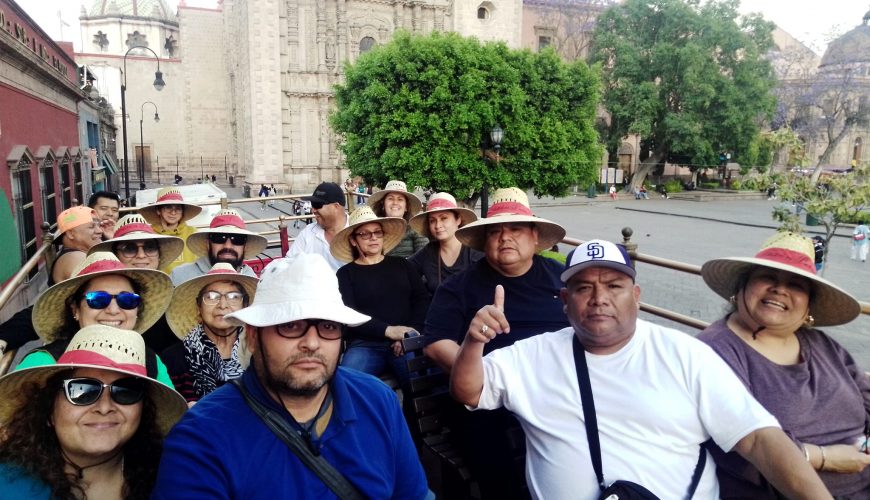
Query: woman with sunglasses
(90, 426)
(211, 351)
(136, 244)
(101, 292)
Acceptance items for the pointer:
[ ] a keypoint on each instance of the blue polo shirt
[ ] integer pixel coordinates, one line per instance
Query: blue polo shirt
(221, 449)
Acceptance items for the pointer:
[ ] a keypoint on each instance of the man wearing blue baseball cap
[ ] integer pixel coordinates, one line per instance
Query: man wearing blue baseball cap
(648, 396)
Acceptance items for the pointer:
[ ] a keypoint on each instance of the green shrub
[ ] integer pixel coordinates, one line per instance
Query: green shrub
(736, 184)
(674, 186)
(710, 185)
(751, 184)
(859, 218)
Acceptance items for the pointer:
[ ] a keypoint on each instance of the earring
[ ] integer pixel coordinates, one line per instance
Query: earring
(732, 299)
(810, 321)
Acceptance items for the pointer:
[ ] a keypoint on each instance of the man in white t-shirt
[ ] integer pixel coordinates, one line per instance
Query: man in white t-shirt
(658, 393)
(327, 203)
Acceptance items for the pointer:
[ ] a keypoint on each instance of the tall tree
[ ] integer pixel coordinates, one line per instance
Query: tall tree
(687, 76)
(420, 109)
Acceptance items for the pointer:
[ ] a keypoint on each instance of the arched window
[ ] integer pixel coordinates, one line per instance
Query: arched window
(482, 13)
(366, 44)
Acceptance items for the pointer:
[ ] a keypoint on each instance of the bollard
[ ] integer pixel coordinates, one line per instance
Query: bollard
(626, 241)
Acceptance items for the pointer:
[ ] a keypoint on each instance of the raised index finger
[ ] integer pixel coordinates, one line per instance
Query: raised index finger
(498, 300)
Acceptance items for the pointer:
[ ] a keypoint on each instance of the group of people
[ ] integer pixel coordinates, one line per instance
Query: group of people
(265, 386)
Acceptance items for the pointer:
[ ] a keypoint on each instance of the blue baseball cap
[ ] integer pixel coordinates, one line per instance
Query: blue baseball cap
(598, 253)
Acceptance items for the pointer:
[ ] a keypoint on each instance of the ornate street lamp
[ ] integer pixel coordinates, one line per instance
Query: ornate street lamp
(495, 137)
(158, 84)
(142, 142)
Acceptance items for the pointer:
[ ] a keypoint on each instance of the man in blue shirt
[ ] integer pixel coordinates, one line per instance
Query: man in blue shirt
(222, 449)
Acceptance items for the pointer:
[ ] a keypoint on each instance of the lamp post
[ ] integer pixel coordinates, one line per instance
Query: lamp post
(142, 142)
(495, 137)
(158, 84)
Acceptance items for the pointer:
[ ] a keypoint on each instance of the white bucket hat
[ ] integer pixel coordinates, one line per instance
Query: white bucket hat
(296, 288)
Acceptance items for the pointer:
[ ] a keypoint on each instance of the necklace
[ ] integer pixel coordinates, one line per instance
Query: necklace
(80, 471)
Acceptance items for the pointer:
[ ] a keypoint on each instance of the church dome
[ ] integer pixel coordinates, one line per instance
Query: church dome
(853, 47)
(151, 9)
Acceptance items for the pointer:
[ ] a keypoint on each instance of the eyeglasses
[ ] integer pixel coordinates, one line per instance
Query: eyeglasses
(87, 391)
(236, 239)
(367, 235)
(327, 330)
(212, 298)
(101, 299)
(130, 250)
(173, 208)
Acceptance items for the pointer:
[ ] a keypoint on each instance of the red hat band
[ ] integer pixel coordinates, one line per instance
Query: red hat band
(170, 197)
(792, 258)
(227, 220)
(222, 271)
(102, 265)
(508, 208)
(84, 357)
(440, 204)
(134, 227)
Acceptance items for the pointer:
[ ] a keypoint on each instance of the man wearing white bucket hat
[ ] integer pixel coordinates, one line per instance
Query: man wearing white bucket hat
(301, 426)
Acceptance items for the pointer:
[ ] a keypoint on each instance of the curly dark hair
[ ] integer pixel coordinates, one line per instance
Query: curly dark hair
(30, 443)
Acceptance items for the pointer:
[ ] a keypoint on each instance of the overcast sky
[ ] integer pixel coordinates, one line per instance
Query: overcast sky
(814, 22)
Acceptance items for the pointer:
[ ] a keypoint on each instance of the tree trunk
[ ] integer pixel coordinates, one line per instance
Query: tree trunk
(645, 168)
(826, 155)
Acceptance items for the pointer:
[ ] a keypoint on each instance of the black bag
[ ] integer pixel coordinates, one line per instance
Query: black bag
(626, 490)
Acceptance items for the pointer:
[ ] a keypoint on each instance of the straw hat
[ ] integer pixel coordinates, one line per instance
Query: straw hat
(134, 227)
(72, 218)
(183, 313)
(226, 221)
(414, 203)
(829, 304)
(169, 196)
(440, 202)
(296, 288)
(50, 312)
(510, 205)
(95, 346)
(394, 231)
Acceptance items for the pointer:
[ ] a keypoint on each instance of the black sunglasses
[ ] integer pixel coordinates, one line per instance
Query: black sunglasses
(130, 250)
(235, 239)
(326, 329)
(101, 300)
(87, 391)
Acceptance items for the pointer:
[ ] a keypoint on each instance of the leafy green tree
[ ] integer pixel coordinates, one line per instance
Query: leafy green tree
(688, 76)
(421, 108)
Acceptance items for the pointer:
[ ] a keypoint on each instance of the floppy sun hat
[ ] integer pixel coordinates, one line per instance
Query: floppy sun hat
(510, 205)
(226, 221)
(134, 227)
(95, 346)
(440, 202)
(598, 253)
(169, 196)
(51, 311)
(72, 218)
(414, 203)
(393, 227)
(183, 313)
(829, 304)
(297, 288)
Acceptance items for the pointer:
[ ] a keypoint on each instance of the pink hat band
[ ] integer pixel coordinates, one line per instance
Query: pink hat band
(102, 265)
(213, 272)
(170, 197)
(134, 227)
(792, 258)
(227, 220)
(508, 208)
(441, 204)
(82, 357)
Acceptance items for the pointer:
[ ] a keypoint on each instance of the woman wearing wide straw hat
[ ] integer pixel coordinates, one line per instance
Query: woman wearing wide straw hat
(395, 201)
(136, 244)
(169, 215)
(101, 291)
(386, 288)
(444, 255)
(808, 381)
(90, 426)
(212, 351)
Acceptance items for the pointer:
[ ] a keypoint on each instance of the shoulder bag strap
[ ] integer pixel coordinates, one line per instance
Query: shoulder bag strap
(333, 479)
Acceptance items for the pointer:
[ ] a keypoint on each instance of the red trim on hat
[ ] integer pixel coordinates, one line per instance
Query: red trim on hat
(508, 208)
(221, 271)
(102, 265)
(170, 197)
(227, 220)
(441, 204)
(792, 258)
(85, 357)
(134, 227)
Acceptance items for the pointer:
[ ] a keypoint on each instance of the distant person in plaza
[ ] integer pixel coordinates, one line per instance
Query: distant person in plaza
(395, 201)
(444, 255)
(106, 204)
(860, 242)
(223, 448)
(327, 203)
(657, 395)
(510, 237)
(169, 216)
(612, 192)
(360, 188)
(211, 351)
(263, 194)
(819, 247)
(90, 426)
(226, 239)
(807, 380)
(78, 229)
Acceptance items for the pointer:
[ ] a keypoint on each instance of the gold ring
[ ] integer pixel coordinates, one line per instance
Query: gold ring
(484, 329)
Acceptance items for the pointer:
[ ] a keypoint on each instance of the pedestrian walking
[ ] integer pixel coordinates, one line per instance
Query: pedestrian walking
(860, 243)
(613, 192)
(263, 194)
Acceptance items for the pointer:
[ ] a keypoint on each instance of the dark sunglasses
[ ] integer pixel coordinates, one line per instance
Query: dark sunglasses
(326, 329)
(101, 299)
(87, 391)
(130, 250)
(235, 239)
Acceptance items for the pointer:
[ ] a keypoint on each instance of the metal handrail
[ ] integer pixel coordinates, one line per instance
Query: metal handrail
(45, 251)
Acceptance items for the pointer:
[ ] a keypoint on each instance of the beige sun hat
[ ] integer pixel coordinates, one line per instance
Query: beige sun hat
(296, 288)
(414, 203)
(226, 221)
(829, 304)
(183, 313)
(169, 196)
(394, 231)
(134, 227)
(440, 202)
(510, 205)
(51, 312)
(72, 218)
(95, 346)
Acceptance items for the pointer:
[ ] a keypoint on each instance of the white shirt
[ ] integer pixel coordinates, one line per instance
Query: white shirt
(312, 239)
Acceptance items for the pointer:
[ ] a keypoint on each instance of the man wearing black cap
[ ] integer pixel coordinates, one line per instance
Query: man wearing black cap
(327, 204)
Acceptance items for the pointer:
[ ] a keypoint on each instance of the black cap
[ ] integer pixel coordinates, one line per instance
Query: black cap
(326, 193)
